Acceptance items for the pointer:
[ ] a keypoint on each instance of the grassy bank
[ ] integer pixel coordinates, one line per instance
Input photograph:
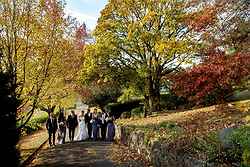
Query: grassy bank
(197, 130)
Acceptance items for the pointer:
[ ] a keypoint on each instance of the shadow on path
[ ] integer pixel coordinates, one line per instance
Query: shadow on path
(75, 154)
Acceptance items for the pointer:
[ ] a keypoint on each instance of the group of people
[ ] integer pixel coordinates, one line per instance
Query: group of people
(91, 126)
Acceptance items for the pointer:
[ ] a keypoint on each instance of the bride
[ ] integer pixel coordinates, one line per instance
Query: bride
(82, 132)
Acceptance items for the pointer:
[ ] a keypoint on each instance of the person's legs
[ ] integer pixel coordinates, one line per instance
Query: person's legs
(97, 133)
(70, 134)
(54, 138)
(113, 132)
(64, 135)
(94, 133)
(50, 134)
(73, 133)
(90, 130)
(103, 131)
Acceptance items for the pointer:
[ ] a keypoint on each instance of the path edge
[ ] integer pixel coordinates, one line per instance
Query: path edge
(30, 158)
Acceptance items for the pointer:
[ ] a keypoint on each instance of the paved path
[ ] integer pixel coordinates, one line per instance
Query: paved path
(76, 154)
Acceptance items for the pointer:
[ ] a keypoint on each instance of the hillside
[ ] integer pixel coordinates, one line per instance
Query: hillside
(197, 120)
(196, 133)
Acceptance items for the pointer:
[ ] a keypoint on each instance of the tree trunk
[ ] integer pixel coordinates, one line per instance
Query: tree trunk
(151, 95)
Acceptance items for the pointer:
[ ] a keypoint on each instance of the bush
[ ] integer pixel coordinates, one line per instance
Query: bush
(241, 137)
(125, 115)
(246, 157)
(137, 112)
(31, 127)
(239, 153)
(116, 109)
(171, 101)
(36, 122)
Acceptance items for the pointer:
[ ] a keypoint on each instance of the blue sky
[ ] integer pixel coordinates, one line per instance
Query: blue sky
(86, 11)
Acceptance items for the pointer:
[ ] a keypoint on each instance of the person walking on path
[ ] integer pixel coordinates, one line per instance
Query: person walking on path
(62, 128)
(72, 124)
(51, 126)
(103, 125)
(96, 123)
(110, 129)
(88, 118)
(82, 130)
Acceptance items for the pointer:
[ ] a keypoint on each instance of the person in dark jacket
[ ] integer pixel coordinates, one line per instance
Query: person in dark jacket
(103, 125)
(51, 126)
(72, 124)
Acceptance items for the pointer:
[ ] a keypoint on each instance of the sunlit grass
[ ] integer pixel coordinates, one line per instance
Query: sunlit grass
(198, 121)
(28, 144)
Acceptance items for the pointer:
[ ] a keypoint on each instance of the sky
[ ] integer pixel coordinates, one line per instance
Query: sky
(86, 11)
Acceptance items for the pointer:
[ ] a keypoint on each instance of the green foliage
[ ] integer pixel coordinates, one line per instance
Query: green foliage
(30, 127)
(150, 38)
(36, 122)
(41, 117)
(241, 137)
(171, 101)
(130, 93)
(100, 94)
(137, 112)
(117, 109)
(246, 157)
(211, 147)
(165, 131)
(41, 52)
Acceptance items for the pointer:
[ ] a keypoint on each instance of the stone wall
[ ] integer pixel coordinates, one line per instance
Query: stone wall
(158, 153)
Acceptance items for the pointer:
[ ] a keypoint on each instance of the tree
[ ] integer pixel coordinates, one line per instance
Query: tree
(224, 57)
(38, 40)
(211, 81)
(153, 38)
(99, 94)
(8, 103)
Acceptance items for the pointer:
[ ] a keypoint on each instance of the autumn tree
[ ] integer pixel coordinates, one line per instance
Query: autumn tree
(213, 80)
(38, 41)
(152, 38)
(224, 57)
(39, 45)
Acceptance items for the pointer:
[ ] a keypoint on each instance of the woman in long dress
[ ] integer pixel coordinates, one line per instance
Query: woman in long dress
(110, 129)
(83, 131)
(96, 124)
(62, 128)
(61, 133)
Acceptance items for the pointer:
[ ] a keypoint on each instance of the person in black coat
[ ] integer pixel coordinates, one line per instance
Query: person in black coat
(103, 125)
(72, 124)
(88, 118)
(51, 126)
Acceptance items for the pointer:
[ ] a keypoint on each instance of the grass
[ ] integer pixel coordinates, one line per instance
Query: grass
(168, 126)
(217, 114)
(28, 144)
(35, 123)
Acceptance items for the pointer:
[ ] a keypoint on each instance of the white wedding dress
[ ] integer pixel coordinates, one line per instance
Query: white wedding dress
(83, 131)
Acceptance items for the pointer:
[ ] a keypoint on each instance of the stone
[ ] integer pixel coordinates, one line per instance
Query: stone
(156, 154)
(224, 137)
